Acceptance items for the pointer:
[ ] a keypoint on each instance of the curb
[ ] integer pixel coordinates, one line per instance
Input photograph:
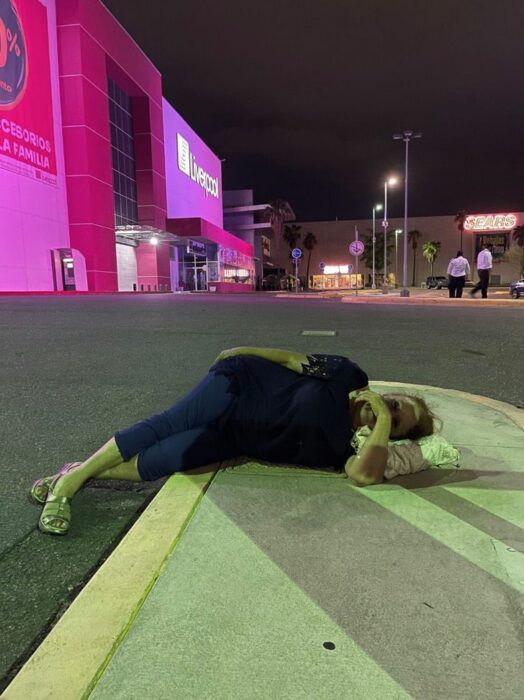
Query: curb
(408, 301)
(71, 659)
(434, 301)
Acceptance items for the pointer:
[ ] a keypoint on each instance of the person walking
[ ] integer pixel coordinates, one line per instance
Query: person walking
(458, 270)
(484, 265)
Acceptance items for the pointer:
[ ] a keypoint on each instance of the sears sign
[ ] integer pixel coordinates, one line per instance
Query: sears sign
(187, 164)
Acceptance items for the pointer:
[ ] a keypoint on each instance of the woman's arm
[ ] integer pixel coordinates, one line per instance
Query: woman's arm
(291, 360)
(368, 466)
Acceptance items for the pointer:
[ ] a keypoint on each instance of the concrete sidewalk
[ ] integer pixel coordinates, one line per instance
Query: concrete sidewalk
(267, 582)
(498, 297)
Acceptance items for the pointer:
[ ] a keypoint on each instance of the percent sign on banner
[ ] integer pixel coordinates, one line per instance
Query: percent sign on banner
(13, 56)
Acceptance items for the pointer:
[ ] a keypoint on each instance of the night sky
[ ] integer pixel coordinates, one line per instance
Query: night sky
(302, 97)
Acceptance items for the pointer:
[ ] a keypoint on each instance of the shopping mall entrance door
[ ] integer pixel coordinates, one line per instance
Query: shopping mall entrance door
(195, 274)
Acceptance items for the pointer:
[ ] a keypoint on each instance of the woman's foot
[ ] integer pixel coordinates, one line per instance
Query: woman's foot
(56, 515)
(40, 488)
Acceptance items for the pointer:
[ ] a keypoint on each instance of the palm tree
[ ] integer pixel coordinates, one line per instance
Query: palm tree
(460, 218)
(430, 251)
(516, 253)
(310, 241)
(413, 237)
(518, 235)
(367, 255)
(277, 212)
(291, 235)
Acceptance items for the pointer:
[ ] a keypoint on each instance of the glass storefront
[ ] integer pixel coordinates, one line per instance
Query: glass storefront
(235, 266)
(202, 265)
(338, 281)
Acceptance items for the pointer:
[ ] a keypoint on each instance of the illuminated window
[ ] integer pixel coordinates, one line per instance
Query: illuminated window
(122, 155)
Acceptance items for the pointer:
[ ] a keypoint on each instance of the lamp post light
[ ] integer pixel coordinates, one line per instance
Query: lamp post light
(389, 182)
(406, 136)
(377, 207)
(397, 231)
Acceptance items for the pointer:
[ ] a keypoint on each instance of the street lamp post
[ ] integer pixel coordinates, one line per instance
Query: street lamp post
(406, 136)
(376, 208)
(389, 181)
(397, 231)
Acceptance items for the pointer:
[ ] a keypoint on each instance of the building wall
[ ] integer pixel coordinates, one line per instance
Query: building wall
(245, 198)
(239, 198)
(92, 46)
(334, 238)
(33, 205)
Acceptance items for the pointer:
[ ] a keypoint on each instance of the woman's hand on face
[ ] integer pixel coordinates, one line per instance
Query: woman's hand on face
(376, 403)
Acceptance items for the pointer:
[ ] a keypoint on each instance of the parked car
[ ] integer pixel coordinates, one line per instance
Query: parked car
(516, 289)
(436, 281)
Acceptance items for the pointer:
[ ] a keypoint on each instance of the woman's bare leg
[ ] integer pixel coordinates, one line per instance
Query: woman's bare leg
(105, 463)
(126, 471)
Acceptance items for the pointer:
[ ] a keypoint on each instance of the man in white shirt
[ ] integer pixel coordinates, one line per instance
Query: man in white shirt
(484, 265)
(458, 269)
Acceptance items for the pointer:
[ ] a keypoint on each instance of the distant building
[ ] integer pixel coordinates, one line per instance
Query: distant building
(103, 186)
(334, 237)
(247, 220)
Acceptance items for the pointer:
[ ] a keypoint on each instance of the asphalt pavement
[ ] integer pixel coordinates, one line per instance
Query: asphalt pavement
(74, 370)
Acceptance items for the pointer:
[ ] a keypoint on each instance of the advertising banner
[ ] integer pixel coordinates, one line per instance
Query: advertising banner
(26, 111)
(193, 172)
(498, 241)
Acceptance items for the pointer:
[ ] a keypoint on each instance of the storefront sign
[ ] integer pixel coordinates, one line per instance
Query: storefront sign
(190, 194)
(26, 113)
(196, 248)
(336, 269)
(498, 241)
(490, 222)
(188, 165)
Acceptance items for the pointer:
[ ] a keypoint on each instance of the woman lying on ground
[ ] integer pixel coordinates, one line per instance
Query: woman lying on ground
(263, 403)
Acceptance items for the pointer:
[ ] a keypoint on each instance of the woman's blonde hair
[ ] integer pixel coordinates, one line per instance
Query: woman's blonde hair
(428, 423)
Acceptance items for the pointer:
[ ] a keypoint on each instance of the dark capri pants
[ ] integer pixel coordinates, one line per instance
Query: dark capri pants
(184, 436)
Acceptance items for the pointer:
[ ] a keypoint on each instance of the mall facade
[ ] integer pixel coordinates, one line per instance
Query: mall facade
(332, 266)
(103, 186)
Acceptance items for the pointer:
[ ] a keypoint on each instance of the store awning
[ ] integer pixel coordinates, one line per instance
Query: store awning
(139, 233)
(202, 230)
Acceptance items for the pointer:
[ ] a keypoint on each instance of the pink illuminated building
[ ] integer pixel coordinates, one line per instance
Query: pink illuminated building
(103, 186)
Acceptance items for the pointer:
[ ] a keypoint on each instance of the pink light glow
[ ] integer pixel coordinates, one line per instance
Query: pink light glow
(33, 207)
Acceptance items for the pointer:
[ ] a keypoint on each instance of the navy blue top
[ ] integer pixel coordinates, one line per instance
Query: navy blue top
(282, 416)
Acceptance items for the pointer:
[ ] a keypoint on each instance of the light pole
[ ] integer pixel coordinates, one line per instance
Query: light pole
(397, 231)
(406, 136)
(377, 207)
(389, 181)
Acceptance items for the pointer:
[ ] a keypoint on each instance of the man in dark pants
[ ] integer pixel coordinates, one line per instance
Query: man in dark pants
(458, 268)
(484, 265)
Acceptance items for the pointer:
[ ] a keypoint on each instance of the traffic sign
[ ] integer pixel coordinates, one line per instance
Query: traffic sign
(322, 265)
(296, 253)
(350, 268)
(356, 247)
